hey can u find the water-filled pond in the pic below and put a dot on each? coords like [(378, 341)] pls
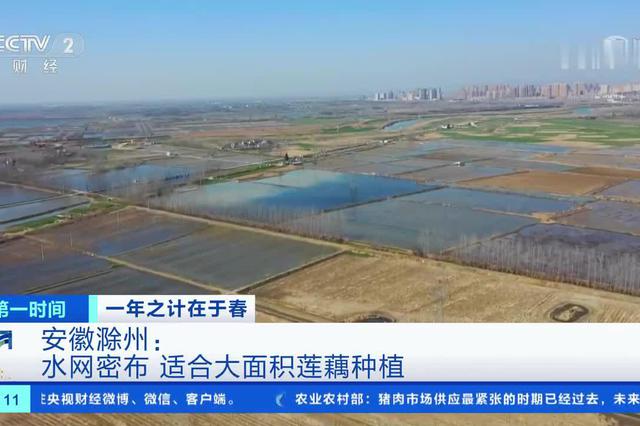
[(608, 215), (630, 189), (284, 197), (85, 180), (412, 226), (487, 200), (37, 208), (399, 125), (10, 194)]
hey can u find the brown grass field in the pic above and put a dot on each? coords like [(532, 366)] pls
[(608, 171), (564, 183), (416, 290)]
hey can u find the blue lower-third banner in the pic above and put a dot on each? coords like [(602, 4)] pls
[(288, 397)]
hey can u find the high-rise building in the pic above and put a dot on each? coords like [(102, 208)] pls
[(582, 58), (551, 91), (595, 58), (420, 94), (635, 52), (616, 52)]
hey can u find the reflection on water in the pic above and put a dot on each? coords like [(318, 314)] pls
[(399, 125), (583, 111), (85, 180), (419, 227), (507, 202), (287, 196)]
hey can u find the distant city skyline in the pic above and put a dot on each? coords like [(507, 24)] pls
[(501, 91), (151, 50)]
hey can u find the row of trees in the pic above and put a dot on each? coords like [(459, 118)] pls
[(593, 267)]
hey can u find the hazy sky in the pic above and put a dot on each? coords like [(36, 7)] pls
[(137, 50)]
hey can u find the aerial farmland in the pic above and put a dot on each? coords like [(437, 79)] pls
[(313, 205)]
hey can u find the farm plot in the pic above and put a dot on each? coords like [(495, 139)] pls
[(37, 208), (608, 215), (27, 265), (608, 171), (415, 164), (474, 150), (397, 159), (406, 289), (453, 155), (496, 201), (123, 280), (409, 225), (223, 162), (563, 183), (506, 147), (452, 173), (229, 258), (381, 169), (606, 159), (120, 231), (627, 190), (342, 163), (517, 164), (232, 161), (10, 194), (277, 199), (596, 258), (199, 167), (123, 181)]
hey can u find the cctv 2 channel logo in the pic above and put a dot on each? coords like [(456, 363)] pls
[(29, 45)]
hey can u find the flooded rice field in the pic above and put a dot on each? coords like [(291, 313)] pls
[(113, 180), (628, 190), (380, 169), (144, 178), (402, 159), (122, 280), (496, 201), (221, 162), (601, 259), (10, 194), (29, 266), (120, 231), (34, 209), (608, 215), (19, 205), (419, 227), (285, 197), (229, 258), (388, 166)]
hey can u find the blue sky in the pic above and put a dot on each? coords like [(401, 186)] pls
[(138, 50)]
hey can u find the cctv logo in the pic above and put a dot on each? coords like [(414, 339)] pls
[(24, 43)]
